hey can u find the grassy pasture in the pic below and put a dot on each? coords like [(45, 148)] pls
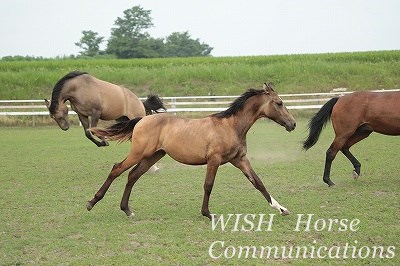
[(47, 175), (211, 75)]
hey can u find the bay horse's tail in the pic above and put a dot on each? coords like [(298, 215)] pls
[(153, 103), (121, 131), (318, 122)]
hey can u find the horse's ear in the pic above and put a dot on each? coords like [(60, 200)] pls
[(47, 103), (268, 87)]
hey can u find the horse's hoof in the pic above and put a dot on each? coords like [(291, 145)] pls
[(208, 215), (355, 175), (89, 206), (128, 212), (284, 212), (154, 170), (103, 144), (329, 183)]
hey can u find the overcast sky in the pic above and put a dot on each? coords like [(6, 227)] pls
[(50, 28)]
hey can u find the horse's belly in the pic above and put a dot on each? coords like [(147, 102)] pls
[(188, 158), (393, 130), (386, 123), (185, 151)]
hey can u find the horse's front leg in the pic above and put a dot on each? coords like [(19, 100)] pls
[(85, 124), (212, 167), (244, 165)]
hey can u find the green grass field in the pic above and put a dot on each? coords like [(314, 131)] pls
[(47, 175), (211, 75)]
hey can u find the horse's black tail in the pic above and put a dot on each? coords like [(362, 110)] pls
[(318, 122), (121, 131), (153, 103)]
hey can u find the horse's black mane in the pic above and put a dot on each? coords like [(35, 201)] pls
[(238, 104), (58, 87)]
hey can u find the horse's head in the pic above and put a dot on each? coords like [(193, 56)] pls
[(276, 110), (59, 114)]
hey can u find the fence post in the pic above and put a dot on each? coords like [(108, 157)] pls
[(33, 118)]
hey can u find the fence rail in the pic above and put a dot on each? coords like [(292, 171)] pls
[(297, 101)]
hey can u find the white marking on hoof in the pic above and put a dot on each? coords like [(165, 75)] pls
[(284, 211), (274, 204), (355, 175), (154, 169)]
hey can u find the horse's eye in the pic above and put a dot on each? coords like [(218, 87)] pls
[(280, 103)]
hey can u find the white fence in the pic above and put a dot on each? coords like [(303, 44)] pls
[(300, 101)]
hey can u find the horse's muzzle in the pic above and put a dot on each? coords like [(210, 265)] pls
[(290, 126), (64, 127)]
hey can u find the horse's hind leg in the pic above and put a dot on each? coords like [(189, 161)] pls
[(142, 167), (354, 162), (116, 171), (330, 156), (362, 133), (341, 143), (212, 167), (154, 168)]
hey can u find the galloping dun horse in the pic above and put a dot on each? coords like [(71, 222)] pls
[(98, 99), (354, 117), (213, 140)]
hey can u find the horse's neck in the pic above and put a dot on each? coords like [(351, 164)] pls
[(245, 119)]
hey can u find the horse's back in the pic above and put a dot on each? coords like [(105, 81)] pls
[(379, 110), (121, 98), (113, 100)]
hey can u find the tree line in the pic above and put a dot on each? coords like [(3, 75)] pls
[(129, 39)]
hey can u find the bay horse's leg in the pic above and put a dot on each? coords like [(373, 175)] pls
[(142, 167), (244, 165), (330, 156), (132, 159), (362, 133), (153, 169), (354, 162), (212, 167), (85, 124), (335, 147), (116, 171)]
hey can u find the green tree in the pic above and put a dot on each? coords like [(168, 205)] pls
[(129, 34), (90, 43), (129, 39), (180, 44)]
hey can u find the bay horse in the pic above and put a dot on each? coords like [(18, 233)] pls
[(213, 140), (354, 117), (98, 99)]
